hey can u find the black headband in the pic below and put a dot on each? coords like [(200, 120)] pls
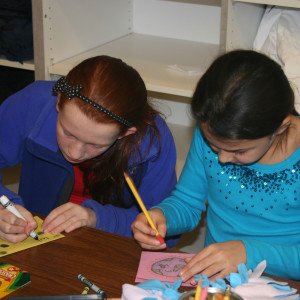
[(71, 91)]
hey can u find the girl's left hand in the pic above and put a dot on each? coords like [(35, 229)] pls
[(215, 261), (69, 217)]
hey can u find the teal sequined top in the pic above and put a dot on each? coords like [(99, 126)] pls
[(258, 204)]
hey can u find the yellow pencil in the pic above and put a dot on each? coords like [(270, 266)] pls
[(142, 206), (198, 289)]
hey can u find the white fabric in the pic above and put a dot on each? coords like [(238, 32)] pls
[(262, 288), (131, 292), (278, 36)]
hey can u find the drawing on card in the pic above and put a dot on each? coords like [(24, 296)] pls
[(162, 266), (169, 266)]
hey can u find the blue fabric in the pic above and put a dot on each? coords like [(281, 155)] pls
[(169, 291), (205, 280), (28, 136), (239, 278), (258, 204)]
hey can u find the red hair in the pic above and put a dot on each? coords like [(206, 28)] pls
[(118, 87)]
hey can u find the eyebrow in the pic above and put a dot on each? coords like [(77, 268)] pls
[(231, 151)]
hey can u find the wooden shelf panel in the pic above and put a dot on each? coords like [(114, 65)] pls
[(151, 56), (285, 3), (27, 65)]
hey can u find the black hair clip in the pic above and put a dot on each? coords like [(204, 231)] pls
[(71, 91)]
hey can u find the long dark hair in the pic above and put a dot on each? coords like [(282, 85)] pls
[(118, 87), (243, 95)]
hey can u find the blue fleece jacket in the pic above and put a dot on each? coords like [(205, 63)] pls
[(28, 136), (258, 204)]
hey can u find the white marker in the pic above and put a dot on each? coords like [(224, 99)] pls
[(9, 206)]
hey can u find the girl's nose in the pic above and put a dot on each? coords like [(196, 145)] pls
[(225, 157), (75, 150)]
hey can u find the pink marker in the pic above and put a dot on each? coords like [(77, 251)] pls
[(204, 292)]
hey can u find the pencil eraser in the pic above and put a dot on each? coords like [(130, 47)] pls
[(160, 239)]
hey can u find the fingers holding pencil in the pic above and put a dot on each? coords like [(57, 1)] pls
[(145, 235), (157, 233)]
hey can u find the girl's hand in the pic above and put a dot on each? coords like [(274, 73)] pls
[(69, 217), (144, 234), (215, 261), (14, 229)]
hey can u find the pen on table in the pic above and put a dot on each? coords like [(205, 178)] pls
[(142, 206), (92, 286), (10, 206), (85, 290)]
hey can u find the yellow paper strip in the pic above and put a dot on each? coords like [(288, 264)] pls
[(9, 248)]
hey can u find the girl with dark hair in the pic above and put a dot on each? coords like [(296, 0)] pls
[(75, 139), (244, 163)]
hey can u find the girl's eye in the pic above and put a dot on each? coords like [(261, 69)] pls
[(66, 133), (241, 152), (96, 146)]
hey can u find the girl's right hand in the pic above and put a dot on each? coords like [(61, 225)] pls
[(144, 234), (14, 229)]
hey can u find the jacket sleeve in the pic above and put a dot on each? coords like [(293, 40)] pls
[(184, 207), (158, 181), (282, 260), (17, 114)]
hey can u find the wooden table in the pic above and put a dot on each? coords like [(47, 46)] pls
[(106, 259)]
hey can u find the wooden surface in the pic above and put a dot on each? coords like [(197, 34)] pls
[(105, 259), (108, 260)]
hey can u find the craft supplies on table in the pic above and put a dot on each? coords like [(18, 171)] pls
[(12, 278), (212, 294)]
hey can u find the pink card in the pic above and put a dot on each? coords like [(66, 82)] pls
[(162, 266)]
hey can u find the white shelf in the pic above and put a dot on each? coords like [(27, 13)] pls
[(27, 65), (151, 56), (240, 20), (285, 3)]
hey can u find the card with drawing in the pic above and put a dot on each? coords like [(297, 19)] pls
[(162, 266)]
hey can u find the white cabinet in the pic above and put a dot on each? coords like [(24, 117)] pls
[(150, 35), (240, 20), (154, 36)]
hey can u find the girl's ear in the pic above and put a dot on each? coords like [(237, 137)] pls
[(130, 130), (284, 125), (57, 102)]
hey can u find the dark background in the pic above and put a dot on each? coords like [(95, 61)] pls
[(16, 44)]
